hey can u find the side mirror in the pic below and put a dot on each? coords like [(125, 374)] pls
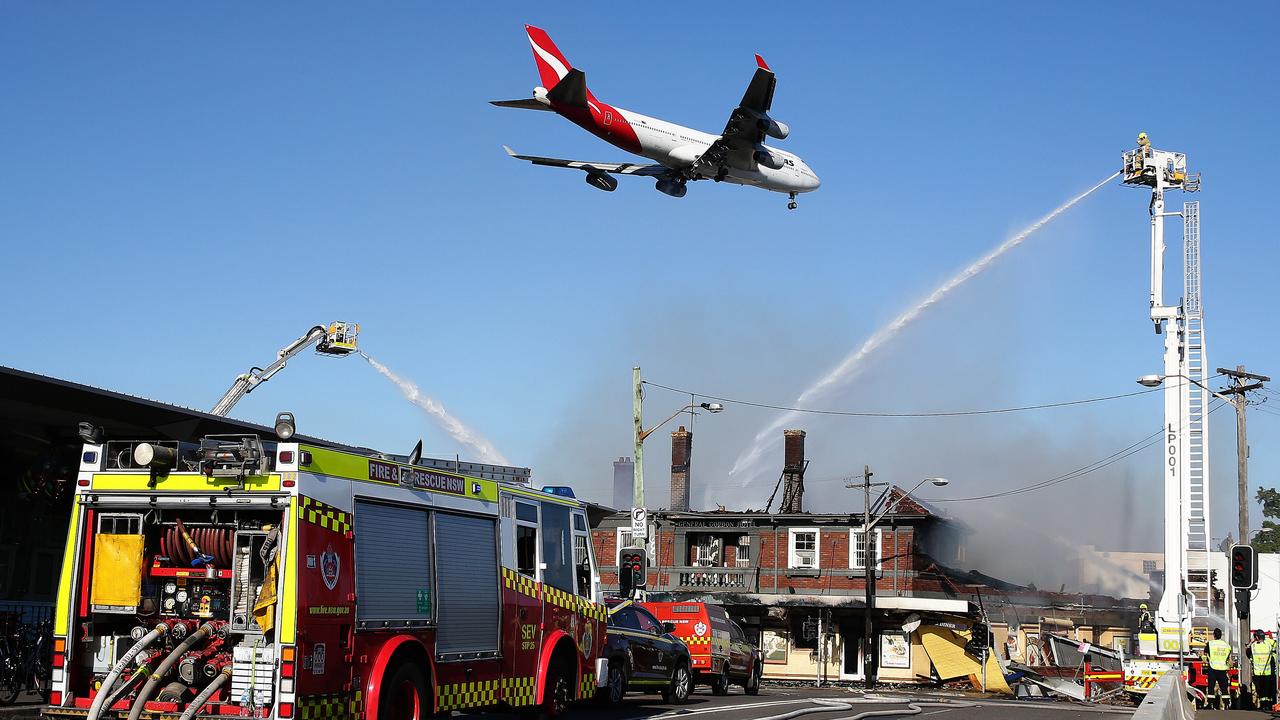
[(668, 627)]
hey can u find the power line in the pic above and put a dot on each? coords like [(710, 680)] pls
[(1115, 457), (925, 414)]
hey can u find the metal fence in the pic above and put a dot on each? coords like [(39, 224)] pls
[(26, 649)]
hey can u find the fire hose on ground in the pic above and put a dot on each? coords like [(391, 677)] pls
[(145, 693), (100, 699), (205, 694), (914, 707)]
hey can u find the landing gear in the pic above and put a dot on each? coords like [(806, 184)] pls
[(721, 174), (792, 204)]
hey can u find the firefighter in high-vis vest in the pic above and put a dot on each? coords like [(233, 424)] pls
[(1218, 655), (1146, 623), (1262, 656)]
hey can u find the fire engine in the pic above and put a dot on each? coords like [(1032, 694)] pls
[(260, 578)]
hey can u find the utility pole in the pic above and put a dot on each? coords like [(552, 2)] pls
[(637, 411), (1241, 383), (869, 567)]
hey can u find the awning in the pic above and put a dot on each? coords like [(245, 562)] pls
[(944, 605), (925, 604)]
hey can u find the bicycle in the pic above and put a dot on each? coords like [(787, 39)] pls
[(25, 663)]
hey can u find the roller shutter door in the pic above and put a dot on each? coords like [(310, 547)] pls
[(393, 566), (467, 563)]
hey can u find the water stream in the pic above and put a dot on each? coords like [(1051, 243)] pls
[(485, 451), (748, 465)]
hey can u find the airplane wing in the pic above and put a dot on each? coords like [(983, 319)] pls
[(615, 168), (737, 145)]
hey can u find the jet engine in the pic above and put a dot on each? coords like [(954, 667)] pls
[(769, 160), (773, 128), (602, 181), (671, 187)]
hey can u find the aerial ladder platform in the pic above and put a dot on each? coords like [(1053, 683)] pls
[(1184, 464), (337, 339)]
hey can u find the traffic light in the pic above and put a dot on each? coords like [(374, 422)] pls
[(1244, 567), (632, 570)]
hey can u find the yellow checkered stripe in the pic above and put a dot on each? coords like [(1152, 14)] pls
[(328, 707), (593, 611), (560, 598), (324, 515), (513, 580), (479, 693), (704, 640), (588, 689), (518, 692)]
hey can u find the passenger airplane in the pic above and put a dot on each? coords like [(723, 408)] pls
[(739, 155)]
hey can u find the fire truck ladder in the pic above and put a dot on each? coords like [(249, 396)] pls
[(1196, 409)]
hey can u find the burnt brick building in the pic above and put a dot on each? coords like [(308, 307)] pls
[(791, 578)]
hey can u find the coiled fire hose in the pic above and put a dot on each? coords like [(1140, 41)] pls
[(100, 699), (205, 694), (145, 693)]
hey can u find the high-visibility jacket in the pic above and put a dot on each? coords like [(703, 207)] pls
[(1263, 653), (1219, 654)]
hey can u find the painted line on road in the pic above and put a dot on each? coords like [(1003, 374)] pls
[(729, 708)]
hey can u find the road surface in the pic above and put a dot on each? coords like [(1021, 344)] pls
[(773, 701)]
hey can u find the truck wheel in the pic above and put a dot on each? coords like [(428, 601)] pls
[(616, 687), (404, 695), (677, 693), (753, 681), (556, 695), (721, 685)]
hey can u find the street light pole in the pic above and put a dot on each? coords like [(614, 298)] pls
[(637, 469)]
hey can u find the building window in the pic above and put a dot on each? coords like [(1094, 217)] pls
[(743, 557), (858, 549), (804, 631), (708, 550), (1148, 566), (803, 547)]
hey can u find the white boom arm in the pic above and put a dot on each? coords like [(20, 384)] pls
[(1163, 171), (338, 339)]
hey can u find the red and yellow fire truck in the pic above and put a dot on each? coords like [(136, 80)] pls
[(247, 577)]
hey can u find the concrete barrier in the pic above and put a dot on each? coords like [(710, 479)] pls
[(1167, 700)]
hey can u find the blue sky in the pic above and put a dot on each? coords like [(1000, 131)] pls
[(186, 187)]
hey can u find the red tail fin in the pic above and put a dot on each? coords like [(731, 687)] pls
[(552, 65)]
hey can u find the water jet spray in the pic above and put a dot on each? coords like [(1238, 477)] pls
[(462, 434), (746, 466)]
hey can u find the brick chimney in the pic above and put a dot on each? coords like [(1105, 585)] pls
[(793, 465), (681, 451)]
